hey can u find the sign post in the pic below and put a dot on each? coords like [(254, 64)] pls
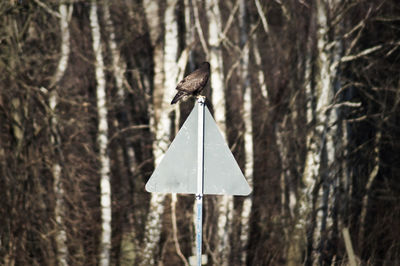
[(200, 178)]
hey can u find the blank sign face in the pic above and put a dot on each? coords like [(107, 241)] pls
[(177, 171)]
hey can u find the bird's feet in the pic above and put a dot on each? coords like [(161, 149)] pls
[(201, 98)]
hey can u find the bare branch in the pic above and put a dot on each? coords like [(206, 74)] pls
[(262, 16), (199, 29), (361, 54), (48, 9), (175, 230), (349, 247), (135, 127), (229, 21)]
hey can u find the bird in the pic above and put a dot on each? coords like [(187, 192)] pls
[(193, 83)]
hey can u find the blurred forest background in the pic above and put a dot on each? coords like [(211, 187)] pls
[(306, 92)]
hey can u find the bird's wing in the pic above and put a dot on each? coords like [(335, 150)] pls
[(193, 82), (180, 86)]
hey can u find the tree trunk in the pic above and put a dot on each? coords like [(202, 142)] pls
[(225, 203), (153, 224), (151, 9), (248, 130), (316, 189), (102, 139), (61, 237)]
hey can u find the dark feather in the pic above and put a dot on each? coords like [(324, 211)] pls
[(177, 97), (193, 83)]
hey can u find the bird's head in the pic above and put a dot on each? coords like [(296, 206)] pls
[(205, 65)]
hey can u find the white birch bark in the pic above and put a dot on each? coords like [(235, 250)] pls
[(225, 204), (260, 74), (171, 71), (312, 193), (102, 139), (129, 243), (248, 132), (153, 224), (323, 96), (324, 220), (371, 178), (61, 235), (153, 228), (190, 25), (298, 239), (118, 64), (151, 9), (225, 214), (332, 138), (217, 75), (319, 135)]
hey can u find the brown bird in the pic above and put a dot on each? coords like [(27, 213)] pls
[(193, 83)]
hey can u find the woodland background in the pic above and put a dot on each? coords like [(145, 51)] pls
[(306, 92)]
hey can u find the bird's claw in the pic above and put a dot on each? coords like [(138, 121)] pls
[(201, 98)]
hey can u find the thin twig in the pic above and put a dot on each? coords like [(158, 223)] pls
[(361, 54), (262, 16)]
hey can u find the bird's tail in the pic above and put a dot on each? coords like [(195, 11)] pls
[(177, 97)]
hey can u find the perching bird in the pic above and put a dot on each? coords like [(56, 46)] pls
[(193, 83)]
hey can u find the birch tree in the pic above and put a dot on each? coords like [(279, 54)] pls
[(102, 139), (225, 203), (153, 224), (65, 12), (151, 9), (311, 195), (248, 126), (129, 239)]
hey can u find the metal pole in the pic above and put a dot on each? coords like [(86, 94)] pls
[(200, 177)]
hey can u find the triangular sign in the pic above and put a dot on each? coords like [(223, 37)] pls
[(177, 171)]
